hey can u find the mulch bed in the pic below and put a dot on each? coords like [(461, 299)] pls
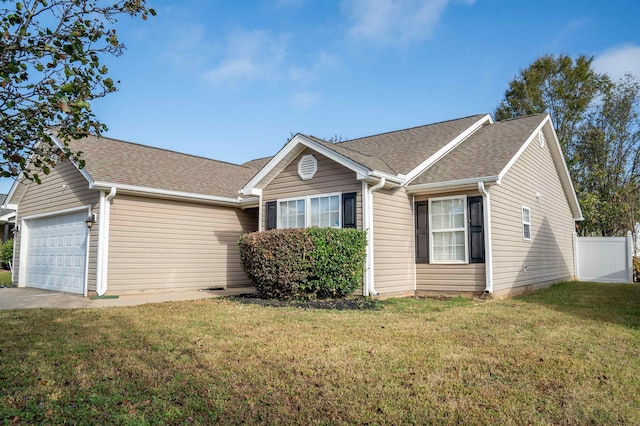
[(350, 303)]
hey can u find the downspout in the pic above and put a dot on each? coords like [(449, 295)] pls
[(488, 263), (103, 241), (415, 272), (370, 275)]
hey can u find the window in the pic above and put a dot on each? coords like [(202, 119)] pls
[(526, 223), (448, 232), (322, 211), (291, 214), (442, 230), (325, 211)]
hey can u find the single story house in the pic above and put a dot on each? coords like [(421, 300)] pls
[(465, 206)]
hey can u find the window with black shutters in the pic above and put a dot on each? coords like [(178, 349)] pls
[(474, 229), (349, 210), (422, 232)]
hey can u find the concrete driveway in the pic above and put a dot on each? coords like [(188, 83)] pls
[(28, 298)]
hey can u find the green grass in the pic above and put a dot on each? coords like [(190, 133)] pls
[(5, 278), (565, 355)]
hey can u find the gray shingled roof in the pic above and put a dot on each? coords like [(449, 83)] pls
[(126, 163), (485, 153), (258, 163), (403, 150), (372, 163)]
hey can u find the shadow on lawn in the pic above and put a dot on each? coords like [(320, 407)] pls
[(613, 303)]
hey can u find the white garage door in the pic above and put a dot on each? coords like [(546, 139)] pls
[(56, 253)]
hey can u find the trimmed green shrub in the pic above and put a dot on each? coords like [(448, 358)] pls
[(338, 259), (7, 252), (304, 263), (636, 268), (277, 261)]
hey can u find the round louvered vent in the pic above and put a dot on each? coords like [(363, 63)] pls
[(307, 167)]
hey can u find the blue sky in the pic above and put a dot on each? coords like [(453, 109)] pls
[(231, 80)]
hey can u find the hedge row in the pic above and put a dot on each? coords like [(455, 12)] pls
[(304, 263)]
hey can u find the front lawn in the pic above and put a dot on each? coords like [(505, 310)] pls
[(565, 355), (5, 278)]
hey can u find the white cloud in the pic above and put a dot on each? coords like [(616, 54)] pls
[(319, 63), (251, 55), (187, 47), (618, 61), (394, 22), (303, 100)]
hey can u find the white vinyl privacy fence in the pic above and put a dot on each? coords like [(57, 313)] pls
[(604, 259)]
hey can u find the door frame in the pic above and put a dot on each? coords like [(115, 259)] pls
[(24, 240)]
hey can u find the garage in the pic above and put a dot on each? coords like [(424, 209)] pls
[(57, 252)]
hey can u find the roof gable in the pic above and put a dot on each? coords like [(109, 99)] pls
[(489, 154), (405, 150), (392, 155), (143, 169), (110, 161), (484, 154)]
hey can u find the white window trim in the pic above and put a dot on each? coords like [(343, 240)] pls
[(466, 232), (307, 207), (526, 223)]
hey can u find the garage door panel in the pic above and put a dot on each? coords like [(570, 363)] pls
[(56, 253)]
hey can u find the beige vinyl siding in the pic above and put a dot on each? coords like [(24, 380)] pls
[(64, 188), (393, 233), (331, 177), (454, 278), (548, 256), (160, 245)]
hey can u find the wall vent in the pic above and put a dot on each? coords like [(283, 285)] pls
[(307, 167)]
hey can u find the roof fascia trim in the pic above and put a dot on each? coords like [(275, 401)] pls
[(295, 142), (452, 185), (235, 202), (8, 217), (558, 159), (17, 181), (83, 171), (448, 147)]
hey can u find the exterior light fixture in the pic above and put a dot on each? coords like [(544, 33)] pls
[(90, 220)]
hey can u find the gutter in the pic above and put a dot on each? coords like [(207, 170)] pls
[(103, 240), (165, 193), (461, 184), (370, 288), (488, 264)]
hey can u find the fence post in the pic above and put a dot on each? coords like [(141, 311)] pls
[(575, 256), (630, 257)]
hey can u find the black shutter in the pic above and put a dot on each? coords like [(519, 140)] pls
[(349, 210), (272, 215), (476, 230), (422, 232)]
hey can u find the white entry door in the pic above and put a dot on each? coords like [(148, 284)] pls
[(56, 253)]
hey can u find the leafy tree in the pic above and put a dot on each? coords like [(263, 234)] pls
[(560, 86), (597, 124), (50, 71), (608, 154)]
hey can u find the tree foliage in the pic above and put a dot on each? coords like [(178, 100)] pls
[(608, 155), (597, 124), (560, 86), (50, 71)]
